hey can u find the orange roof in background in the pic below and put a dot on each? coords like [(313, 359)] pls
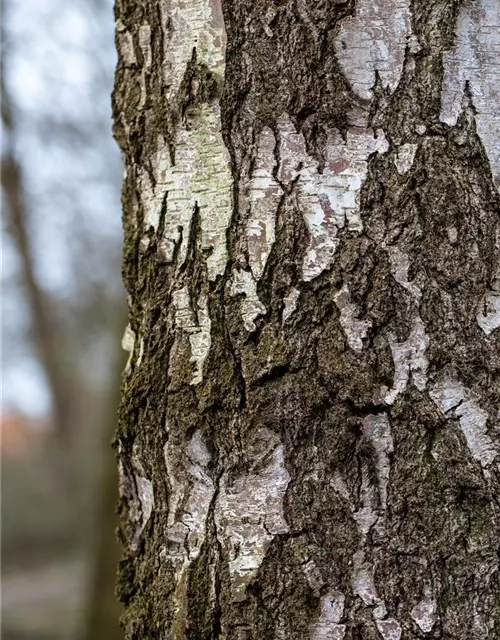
[(18, 433)]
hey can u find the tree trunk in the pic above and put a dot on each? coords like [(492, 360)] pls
[(309, 431), (103, 610), (43, 327)]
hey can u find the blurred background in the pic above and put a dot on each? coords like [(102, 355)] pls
[(63, 314)]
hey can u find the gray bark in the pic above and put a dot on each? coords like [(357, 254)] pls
[(308, 439)]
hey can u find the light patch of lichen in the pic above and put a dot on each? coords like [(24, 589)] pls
[(197, 24), (199, 175)]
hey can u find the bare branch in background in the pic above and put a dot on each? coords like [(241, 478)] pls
[(43, 325)]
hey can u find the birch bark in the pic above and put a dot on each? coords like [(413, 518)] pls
[(308, 440)]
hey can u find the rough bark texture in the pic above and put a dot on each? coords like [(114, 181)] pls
[(308, 443)]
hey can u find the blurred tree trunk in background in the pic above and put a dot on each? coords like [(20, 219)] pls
[(44, 328), (61, 293), (103, 607), (309, 426)]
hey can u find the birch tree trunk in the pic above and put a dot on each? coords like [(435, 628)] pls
[(308, 442)]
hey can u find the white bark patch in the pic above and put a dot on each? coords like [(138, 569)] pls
[(249, 511), (332, 610), (424, 614), (196, 326), (313, 577), (451, 395), (191, 492), (380, 611), (290, 303), (377, 430), (366, 517), (201, 175), (400, 264), (389, 629), (409, 360), (128, 343), (146, 498), (354, 328), (363, 584), (329, 199), (124, 481), (260, 200), (452, 234), (145, 44), (405, 155), (340, 486), (125, 44), (140, 516), (476, 58), (251, 307), (263, 197), (141, 353), (137, 490), (409, 356), (374, 39), (144, 37), (489, 316), (196, 24)]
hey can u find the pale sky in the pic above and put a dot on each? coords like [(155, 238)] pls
[(59, 67)]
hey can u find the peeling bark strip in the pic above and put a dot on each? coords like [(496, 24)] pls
[(308, 440)]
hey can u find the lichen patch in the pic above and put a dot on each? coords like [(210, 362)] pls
[(200, 175)]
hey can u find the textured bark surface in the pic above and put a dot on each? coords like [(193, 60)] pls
[(308, 442)]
